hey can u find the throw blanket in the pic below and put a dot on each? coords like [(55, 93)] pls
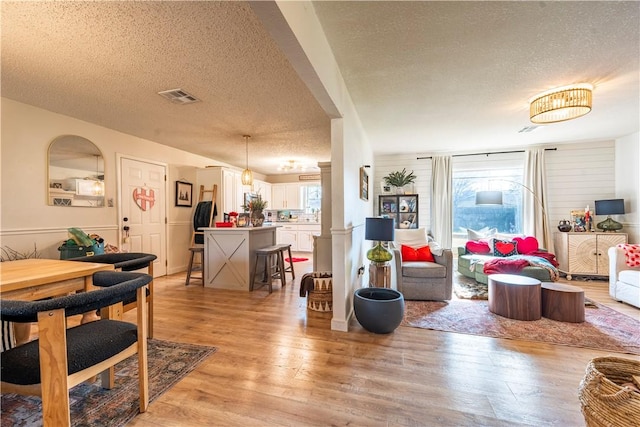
[(631, 254), (515, 264), (306, 284)]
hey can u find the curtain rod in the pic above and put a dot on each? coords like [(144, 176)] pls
[(485, 154)]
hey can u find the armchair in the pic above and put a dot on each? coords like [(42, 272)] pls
[(421, 280), (61, 358)]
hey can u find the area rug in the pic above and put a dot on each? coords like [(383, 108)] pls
[(294, 259), (604, 328), (94, 406), (466, 288)]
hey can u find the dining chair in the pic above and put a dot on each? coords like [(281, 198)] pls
[(62, 358), (129, 261)]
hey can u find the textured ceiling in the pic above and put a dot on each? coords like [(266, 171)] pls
[(441, 76), (105, 62), (425, 76)]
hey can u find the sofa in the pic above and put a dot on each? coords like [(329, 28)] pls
[(523, 258), (624, 280), (419, 278), (472, 266)]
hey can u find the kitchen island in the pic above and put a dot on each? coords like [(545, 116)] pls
[(229, 255)]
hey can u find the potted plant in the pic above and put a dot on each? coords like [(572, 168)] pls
[(399, 179), (255, 207)]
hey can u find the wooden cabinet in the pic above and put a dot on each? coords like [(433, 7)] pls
[(230, 189), (299, 236), (285, 196), (585, 253), (403, 208)]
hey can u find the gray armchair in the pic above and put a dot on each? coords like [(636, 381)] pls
[(422, 280)]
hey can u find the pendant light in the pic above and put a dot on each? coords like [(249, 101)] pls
[(247, 175)]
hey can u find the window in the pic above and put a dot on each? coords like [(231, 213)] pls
[(311, 198), (507, 218)]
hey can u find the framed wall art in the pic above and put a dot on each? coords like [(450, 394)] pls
[(184, 194), (364, 184)]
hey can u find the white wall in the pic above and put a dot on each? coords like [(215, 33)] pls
[(301, 38), (577, 175), (27, 219), (627, 167)]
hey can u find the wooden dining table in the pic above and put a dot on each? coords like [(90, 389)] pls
[(33, 279)]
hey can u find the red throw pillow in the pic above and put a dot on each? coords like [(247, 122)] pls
[(526, 245), (420, 254), (504, 248), (478, 247)]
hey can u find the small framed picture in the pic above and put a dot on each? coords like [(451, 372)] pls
[(384, 188), (364, 184), (184, 194), (243, 220)]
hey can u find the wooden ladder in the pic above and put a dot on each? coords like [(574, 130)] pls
[(214, 194), (198, 248)]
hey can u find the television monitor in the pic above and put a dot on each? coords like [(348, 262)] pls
[(610, 207)]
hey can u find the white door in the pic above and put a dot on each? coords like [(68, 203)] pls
[(143, 205)]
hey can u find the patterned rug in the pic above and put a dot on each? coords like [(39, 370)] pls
[(604, 328), (94, 406), (467, 288)]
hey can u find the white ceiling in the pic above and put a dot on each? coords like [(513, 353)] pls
[(425, 77)]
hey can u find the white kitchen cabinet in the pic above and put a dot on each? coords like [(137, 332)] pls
[(285, 196), (263, 189), (230, 189), (288, 234), (305, 236), (585, 253), (299, 236)]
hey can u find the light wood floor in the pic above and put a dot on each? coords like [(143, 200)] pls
[(278, 364)]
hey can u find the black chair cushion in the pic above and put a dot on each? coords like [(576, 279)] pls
[(104, 279), (126, 261), (121, 286), (87, 345)]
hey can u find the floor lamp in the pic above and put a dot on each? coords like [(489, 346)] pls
[(495, 198)]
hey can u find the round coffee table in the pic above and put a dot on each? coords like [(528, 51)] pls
[(515, 297), (564, 303)]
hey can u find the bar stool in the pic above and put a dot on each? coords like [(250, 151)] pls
[(193, 251), (286, 247), (271, 256)]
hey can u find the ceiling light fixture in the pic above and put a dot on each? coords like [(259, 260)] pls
[(560, 104), (247, 175), (291, 165)]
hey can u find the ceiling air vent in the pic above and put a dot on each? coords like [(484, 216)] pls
[(178, 96), (528, 129)]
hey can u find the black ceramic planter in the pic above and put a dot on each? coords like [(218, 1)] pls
[(378, 310)]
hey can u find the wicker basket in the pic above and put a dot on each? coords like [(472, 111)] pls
[(321, 297), (604, 401)]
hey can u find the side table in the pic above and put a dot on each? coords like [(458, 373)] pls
[(561, 302), (379, 275), (515, 297)]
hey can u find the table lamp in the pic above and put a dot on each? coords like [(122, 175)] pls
[(379, 230), (609, 207)]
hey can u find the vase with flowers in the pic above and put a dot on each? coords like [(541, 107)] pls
[(255, 207)]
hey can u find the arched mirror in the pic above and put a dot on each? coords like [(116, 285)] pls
[(76, 172)]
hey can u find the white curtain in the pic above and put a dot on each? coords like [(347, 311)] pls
[(536, 221), (441, 200)]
